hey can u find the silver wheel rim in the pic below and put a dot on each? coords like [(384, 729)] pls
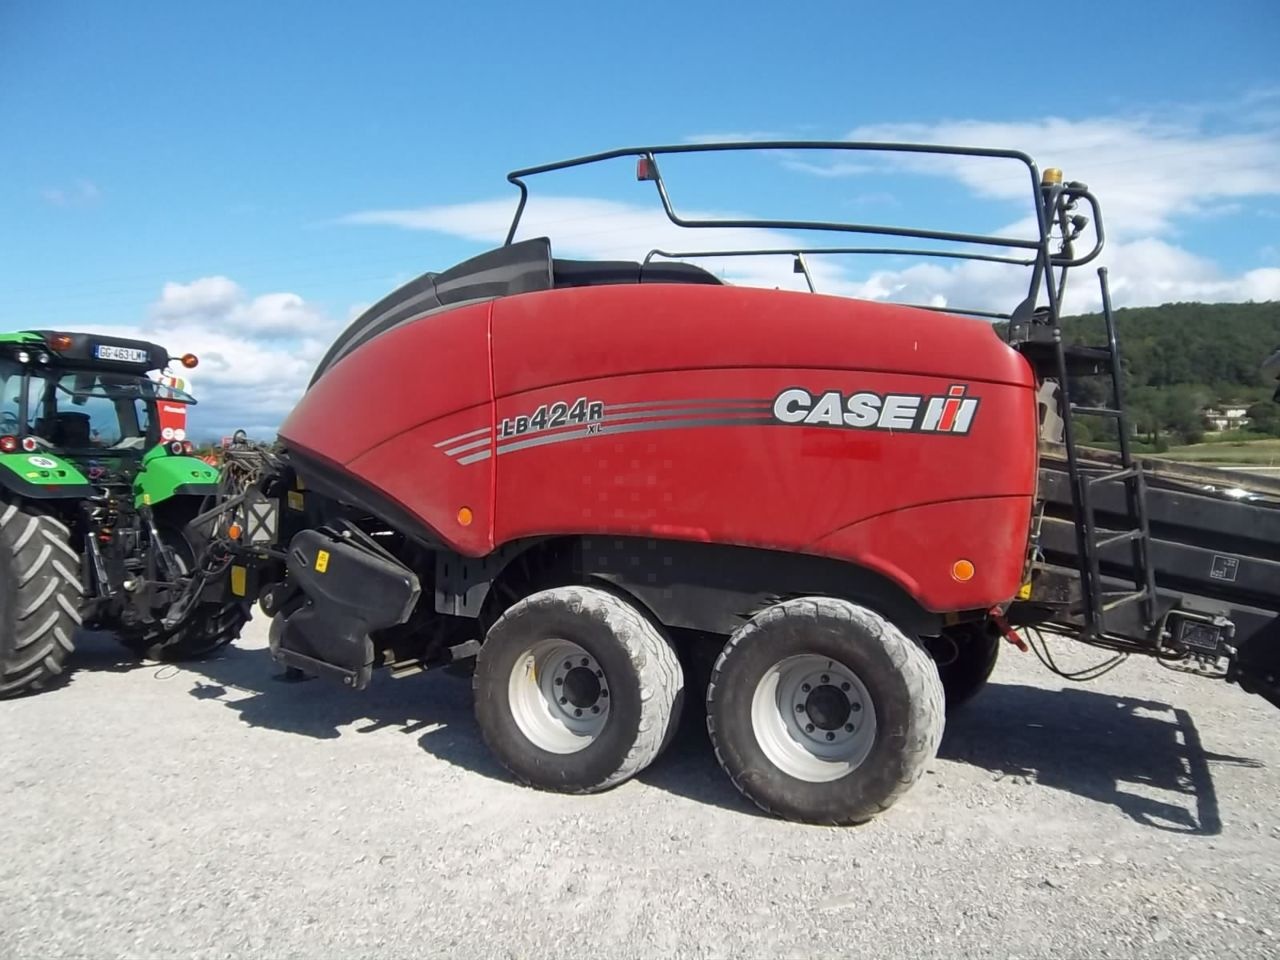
[(813, 718), (559, 696)]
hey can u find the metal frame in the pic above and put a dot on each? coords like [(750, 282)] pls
[(1053, 206)]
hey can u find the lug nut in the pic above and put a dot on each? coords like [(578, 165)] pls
[(799, 708), (831, 736), (804, 688), (585, 661), (855, 707), (600, 673), (604, 693), (808, 728), (825, 678), (844, 686), (564, 700), (577, 712), (595, 709), (848, 728), (559, 681)]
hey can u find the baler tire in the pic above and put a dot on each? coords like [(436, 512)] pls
[(967, 657), (40, 597), (639, 685), (772, 741)]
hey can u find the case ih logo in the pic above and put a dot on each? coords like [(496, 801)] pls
[(906, 412)]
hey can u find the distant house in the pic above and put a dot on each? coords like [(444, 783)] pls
[(1229, 416)]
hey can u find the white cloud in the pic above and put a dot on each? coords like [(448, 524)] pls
[(222, 301), (81, 193), (599, 229), (1149, 173), (205, 298), (256, 353)]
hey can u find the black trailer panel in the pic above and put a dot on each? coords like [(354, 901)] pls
[(1214, 549)]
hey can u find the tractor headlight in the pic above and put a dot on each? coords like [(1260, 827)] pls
[(23, 356)]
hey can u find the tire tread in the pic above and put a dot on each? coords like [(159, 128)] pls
[(46, 597), (911, 660)]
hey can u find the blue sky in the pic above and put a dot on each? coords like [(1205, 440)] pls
[(239, 178)]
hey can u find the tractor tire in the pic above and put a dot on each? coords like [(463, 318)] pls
[(40, 597), (824, 712), (209, 627), (965, 656), (576, 690)]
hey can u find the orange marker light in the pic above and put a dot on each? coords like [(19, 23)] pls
[(234, 531), (962, 570), (465, 516), (60, 341), (190, 360)]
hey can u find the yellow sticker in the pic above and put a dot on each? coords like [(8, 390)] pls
[(322, 561), (1025, 592), (146, 498), (295, 500), (239, 577)]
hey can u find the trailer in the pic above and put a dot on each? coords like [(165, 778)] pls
[(585, 478)]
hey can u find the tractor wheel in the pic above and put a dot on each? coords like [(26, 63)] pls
[(576, 690), (209, 627), (822, 711), (965, 656), (40, 598)]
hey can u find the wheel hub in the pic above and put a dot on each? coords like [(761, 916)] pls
[(559, 696), (582, 687), (827, 707), (813, 718)]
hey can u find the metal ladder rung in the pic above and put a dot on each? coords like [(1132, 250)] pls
[(1097, 411), (1125, 598), (1119, 538), (1127, 473)]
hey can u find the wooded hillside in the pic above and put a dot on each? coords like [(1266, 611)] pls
[(1183, 357)]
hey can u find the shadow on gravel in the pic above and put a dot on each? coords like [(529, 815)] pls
[(1117, 750), (688, 768), (438, 707), (100, 651)]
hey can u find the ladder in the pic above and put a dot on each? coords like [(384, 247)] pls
[(1066, 363)]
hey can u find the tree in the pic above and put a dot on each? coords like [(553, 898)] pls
[(1264, 418)]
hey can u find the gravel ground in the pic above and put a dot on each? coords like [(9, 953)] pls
[(212, 811)]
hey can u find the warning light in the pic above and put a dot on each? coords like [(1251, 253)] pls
[(8, 444), (29, 444), (190, 361), (1052, 177), (465, 516), (234, 531), (962, 570), (60, 341), (176, 448), (646, 169)]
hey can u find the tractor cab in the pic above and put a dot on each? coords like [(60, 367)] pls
[(100, 402)]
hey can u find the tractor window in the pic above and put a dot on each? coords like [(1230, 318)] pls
[(10, 396), (91, 410)]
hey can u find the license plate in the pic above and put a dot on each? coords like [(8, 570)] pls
[(104, 351)]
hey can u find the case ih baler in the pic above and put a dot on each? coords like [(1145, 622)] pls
[(586, 474)]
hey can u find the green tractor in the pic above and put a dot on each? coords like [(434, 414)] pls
[(99, 489)]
